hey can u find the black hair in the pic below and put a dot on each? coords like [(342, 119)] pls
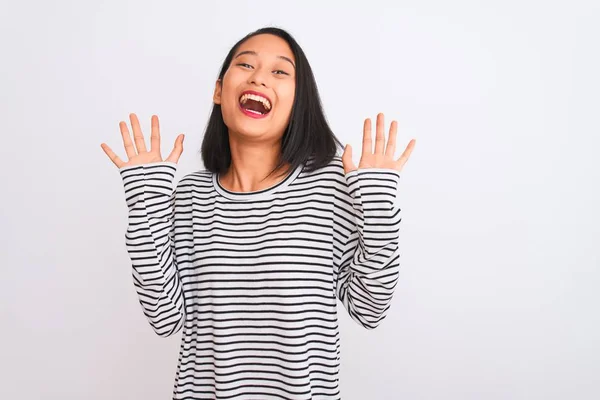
[(308, 139)]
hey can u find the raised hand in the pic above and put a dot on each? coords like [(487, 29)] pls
[(381, 158), (138, 154)]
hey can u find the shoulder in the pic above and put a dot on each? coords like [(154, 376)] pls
[(334, 169), (198, 181), (327, 179), (330, 174)]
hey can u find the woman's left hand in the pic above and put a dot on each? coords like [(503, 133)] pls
[(381, 158)]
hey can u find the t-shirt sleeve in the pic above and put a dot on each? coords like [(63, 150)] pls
[(149, 240), (366, 242)]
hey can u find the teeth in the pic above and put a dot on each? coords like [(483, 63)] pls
[(248, 96)]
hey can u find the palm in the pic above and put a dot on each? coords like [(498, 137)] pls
[(383, 156), (136, 151)]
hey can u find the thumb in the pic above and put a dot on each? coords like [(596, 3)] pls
[(177, 149), (347, 159)]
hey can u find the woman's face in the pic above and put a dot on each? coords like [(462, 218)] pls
[(257, 92)]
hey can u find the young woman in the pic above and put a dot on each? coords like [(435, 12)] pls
[(249, 257)]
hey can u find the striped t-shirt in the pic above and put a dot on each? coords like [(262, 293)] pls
[(252, 278)]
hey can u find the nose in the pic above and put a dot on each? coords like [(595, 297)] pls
[(258, 78)]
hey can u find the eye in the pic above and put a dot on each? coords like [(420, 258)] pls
[(245, 65), (280, 72)]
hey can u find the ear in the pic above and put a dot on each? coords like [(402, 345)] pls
[(217, 93)]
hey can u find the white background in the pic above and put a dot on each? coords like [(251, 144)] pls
[(499, 291)]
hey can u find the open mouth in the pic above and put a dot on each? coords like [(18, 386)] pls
[(255, 104)]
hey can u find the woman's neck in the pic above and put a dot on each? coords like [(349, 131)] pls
[(250, 168)]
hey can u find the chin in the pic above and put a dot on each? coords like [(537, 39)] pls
[(251, 130)]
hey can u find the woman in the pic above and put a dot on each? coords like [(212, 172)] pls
[(249, 256)]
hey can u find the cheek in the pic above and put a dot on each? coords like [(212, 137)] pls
[(229, 102), (230, 82), (286, 97)]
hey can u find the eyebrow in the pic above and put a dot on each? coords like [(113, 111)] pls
[(251, 52)]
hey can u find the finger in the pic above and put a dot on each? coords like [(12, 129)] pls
[(379, 135), (367, 145), (390, 149), (347, 159), (138, 137), (127, 143), (177, 149), (406, 153), (155, 135), (111, 154)]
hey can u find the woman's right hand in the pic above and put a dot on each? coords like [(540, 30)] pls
[(139, 155)]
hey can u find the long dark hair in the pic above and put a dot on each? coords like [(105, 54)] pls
[(308, 138)]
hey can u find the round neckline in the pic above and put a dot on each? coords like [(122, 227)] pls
[(257, 194)]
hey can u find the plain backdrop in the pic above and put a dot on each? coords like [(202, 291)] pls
[(500, 242)]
